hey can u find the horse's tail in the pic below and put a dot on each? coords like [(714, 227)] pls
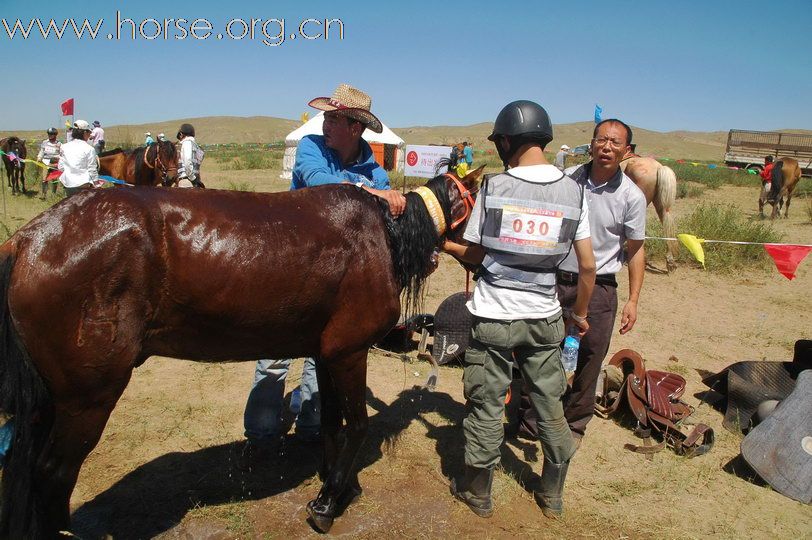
[(24, 396), (665, 196)]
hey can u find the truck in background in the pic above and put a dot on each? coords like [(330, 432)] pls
[(747, 149)]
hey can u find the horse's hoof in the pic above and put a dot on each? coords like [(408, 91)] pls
[(320, 517)]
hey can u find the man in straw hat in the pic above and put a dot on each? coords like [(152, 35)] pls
[(338, 156)]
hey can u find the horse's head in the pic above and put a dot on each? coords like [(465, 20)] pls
[(15, 144), (450, 203), (167, 162)]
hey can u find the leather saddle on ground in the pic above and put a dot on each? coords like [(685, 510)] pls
[(653, 398)]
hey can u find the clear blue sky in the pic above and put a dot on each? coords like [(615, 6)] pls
[(659, 65)]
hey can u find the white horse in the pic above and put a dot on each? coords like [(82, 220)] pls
[(659, 185)]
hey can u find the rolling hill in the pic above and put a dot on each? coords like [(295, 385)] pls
[(695, 145)]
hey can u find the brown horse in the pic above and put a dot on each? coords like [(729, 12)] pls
[(791, 173), (156, 164), (659, 185), (15, 169), (119, 275)]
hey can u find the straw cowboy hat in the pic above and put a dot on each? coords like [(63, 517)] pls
[(350, 102)]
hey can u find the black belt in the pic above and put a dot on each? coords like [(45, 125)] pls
[(571, 278)]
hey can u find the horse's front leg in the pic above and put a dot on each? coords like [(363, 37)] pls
[(345, 397), (786, 209)]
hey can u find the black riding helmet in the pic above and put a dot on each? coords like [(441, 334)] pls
[(51, 131), (524, 120), (187, 130)]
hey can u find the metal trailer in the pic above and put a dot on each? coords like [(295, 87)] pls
[(747, 149)]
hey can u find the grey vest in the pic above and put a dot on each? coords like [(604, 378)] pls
[(528, 229)]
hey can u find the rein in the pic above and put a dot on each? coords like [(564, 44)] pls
[(162, 168)]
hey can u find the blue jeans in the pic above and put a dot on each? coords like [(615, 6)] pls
[(263, 410)]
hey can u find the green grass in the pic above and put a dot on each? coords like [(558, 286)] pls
[(241, 186), (719, 222), (689, 190)]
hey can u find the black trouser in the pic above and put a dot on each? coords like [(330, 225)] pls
[(579, 401)]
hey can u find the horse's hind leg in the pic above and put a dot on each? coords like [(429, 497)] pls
[(344, 395), (786, 209), (72, 437), (670, 231)]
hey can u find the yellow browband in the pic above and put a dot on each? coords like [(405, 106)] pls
[(434, 208)]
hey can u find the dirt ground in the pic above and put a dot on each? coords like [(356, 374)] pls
[(166, 463)]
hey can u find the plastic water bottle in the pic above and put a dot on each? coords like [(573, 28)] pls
[(296, 400), (569, 356), (6, 436)]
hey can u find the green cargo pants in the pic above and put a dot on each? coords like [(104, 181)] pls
[(488, 364)]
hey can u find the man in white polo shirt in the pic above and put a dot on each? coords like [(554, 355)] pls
[(78, 161), (617, 216)]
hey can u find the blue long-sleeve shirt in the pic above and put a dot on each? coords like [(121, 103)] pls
[(316, 165)]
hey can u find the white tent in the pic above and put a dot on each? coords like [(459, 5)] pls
[(313, 127)]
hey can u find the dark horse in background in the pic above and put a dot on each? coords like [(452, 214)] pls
[(119, 275), (156, 164), (15, 169)]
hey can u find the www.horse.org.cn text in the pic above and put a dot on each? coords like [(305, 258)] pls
[(271, 32)]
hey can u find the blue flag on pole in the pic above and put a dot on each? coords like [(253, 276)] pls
[(598, 112)]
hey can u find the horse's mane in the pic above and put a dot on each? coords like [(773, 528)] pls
[(111, 152), (412, 239), (138, 155)]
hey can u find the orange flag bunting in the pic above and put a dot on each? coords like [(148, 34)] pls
[(787, 257)]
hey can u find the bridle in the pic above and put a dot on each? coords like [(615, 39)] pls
[(157, 163), (467, 197)]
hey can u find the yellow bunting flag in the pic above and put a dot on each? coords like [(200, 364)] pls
[(694, 245), (305, 117)]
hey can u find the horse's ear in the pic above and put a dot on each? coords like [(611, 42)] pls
[(472, 178)]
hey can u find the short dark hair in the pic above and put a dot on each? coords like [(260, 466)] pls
[(614, 121), (77, 133), (768, 159)]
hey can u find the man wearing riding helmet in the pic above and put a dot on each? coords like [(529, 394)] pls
[(49, 155), (190, 157), (525, 222)]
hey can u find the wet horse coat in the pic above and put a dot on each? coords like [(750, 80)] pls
[(119, 275)]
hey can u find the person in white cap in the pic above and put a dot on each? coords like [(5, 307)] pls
[(561, 156), (161, 137), (97, 137), (148, 140), (78, 161)]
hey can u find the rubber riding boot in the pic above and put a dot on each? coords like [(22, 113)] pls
[(198, 184), (551, 495), (475, 490)]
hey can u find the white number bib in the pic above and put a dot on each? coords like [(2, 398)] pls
[(530, 226)]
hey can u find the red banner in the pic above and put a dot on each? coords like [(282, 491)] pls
[(67, 107), (787, 257)]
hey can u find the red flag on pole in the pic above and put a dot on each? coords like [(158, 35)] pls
[(67, 107), (787, 257)]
